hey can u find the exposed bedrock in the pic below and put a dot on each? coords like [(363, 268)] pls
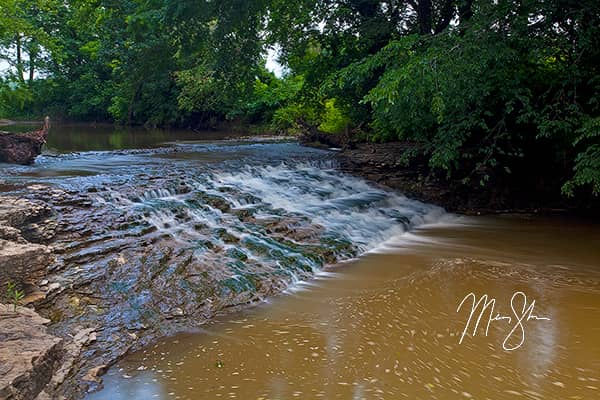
[(28, 353), (24, 226)]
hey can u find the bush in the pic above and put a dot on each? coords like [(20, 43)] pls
[(333, 120)]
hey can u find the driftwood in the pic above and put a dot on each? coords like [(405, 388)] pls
[(23, 148)]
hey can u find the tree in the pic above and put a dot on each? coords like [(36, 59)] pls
[(487, 91)]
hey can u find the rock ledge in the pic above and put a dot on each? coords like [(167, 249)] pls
[(28, 354)]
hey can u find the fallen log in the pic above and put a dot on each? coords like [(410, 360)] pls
[(23, 148)]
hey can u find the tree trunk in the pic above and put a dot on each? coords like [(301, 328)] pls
[(32, 57), (19, 57), (23, 148), (446, 14), (424, 15), (134, 97), (465, 10)]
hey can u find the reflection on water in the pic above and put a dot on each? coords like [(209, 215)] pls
[(386, 326), (79, 138), (83, 150), (87, 138)]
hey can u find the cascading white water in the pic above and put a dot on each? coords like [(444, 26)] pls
[(347, 207), (347, 215), (274, 210)]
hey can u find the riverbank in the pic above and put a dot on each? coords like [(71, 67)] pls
[(28, 353), (398, 165), (381, 163), (34, 360)]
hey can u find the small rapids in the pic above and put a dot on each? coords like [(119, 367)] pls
[(238, 215), (152, 242), (271, 217)]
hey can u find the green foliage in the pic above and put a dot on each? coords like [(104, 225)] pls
[(14, 295), (272, 93), (199, 91), (587, 162), (13, 98), (287, 118), (477, 100), (334, 120), (457, 97), (485, 91)]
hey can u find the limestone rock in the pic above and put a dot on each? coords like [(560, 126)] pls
[(94, 374), (12, 234), (71, 352), (28, 354), (30, 217), (22, 220), (23, 263)]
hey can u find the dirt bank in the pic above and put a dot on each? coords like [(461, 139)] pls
[(381, 163)]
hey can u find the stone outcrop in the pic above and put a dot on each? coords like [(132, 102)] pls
[(29, 355), (23, 148), (23, 263), (24, 221), (24, 215)]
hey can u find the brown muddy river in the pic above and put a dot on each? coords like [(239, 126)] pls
[(386, 326)]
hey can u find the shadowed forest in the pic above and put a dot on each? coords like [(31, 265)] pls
[(486, 93)]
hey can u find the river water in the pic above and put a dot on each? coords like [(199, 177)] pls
[(386, 326), (374, 280)]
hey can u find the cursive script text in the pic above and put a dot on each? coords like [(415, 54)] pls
[(483, 309)]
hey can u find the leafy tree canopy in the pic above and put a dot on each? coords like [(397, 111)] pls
[(487, 91)]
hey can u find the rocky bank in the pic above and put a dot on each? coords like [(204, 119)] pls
[(383, 163), (28, 353), (106, 282)]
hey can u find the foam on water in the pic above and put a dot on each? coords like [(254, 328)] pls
[(344, 205), (344, 216), (255, 208)]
